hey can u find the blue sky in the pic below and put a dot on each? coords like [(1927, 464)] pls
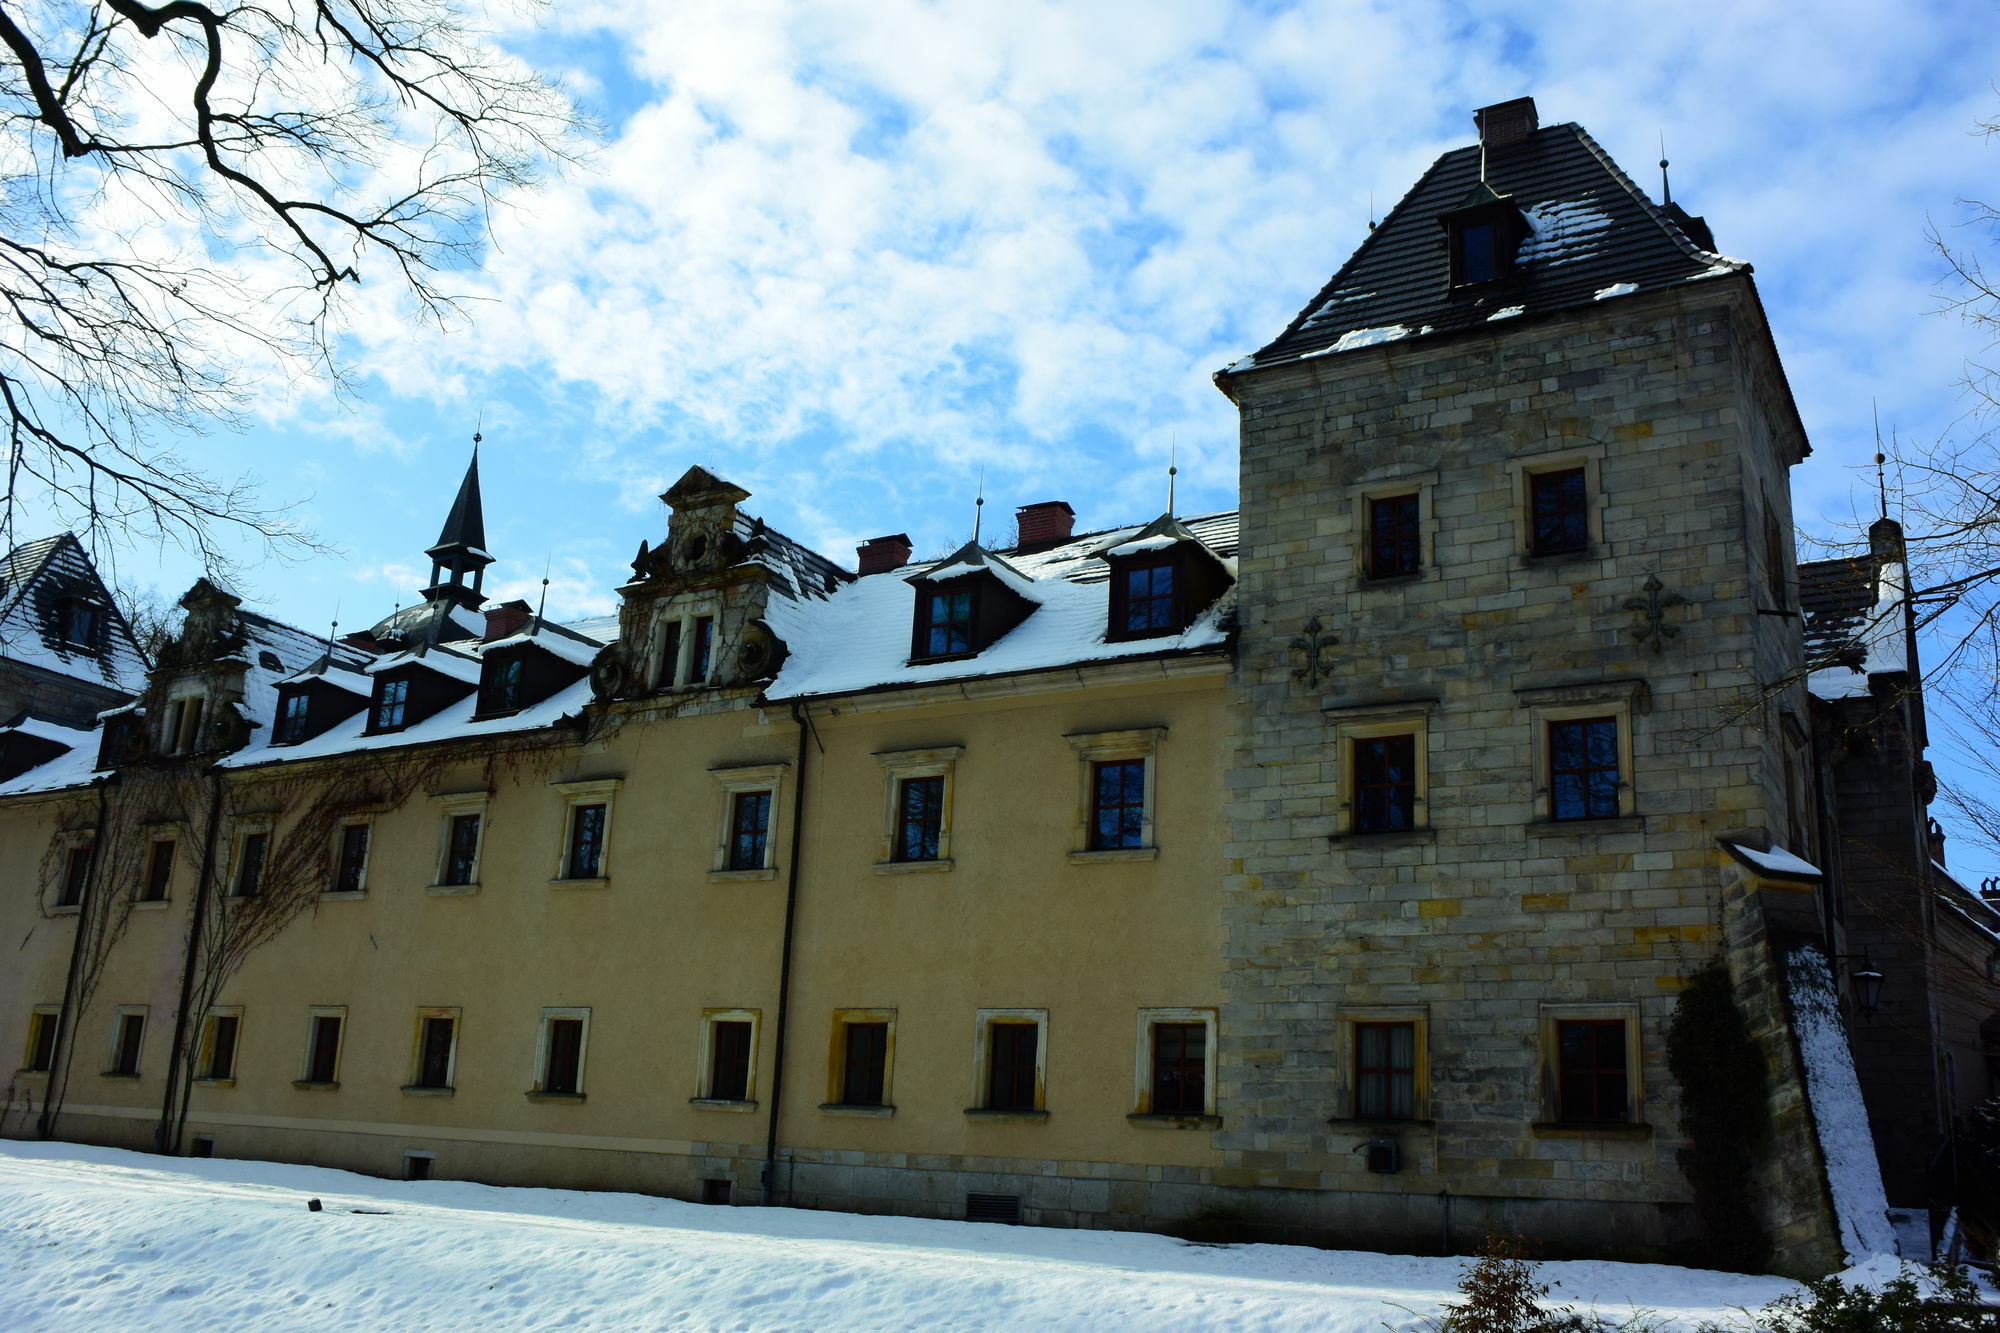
[(856, 254)]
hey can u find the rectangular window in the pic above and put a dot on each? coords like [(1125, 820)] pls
[(461, 857), (350, 865), (1118, 804), (749, 830), (292, 718), (1583, 768), (323, 1048), (864, 1063), (129, 1034), (1180, 1068), (1472, 252), (1011, 1065), (75, 875), (219, 1050), (250, 853), (919, 818), (1385, 1071), (159, 871), (729, 1047), (437, 1040), (1558, 512), (562, 1052), (1149, 600), (670, 653), (702, 660), (585, 859), (41, 1050), (391, 704), (1385, 783), (947, 623), (1591, 1083), (1395, 544)]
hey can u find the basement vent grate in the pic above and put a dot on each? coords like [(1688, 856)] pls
[(993, 1208)]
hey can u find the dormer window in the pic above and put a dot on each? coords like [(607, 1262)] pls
[(293, 718), (1150, 604), (1483, 234), (392, 698), (82, 623), (1472, 253), (506, 695), (965, 603), (1162, 578), (946, 626)]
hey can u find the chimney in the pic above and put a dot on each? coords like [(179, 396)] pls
[(506, 620), (878, 555), (1040, 526), (1506, 122)]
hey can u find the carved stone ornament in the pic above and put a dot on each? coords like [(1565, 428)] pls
[(1654, 607), (1314, 647)]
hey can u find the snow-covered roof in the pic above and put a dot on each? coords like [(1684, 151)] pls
[(73, 768), (1853, 624), (858, 638), (35, 579)]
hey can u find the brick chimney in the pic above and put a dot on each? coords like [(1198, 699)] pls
[(878, 555), (1507, 122), (1040, 526), (506, 620)]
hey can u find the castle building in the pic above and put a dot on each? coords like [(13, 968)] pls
[(1340, 869)]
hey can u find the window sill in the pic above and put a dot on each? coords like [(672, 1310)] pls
[(1388, 837), (151, 904), (450, 890), (70, 909), (1375, 1125), (340, 897), (215, 1083), (1007, 1116), (556, 1096), (1373, 581), (1556, 1130), (723, 876), (1558, 828), (601, 882), (844, 1108), (419, 1090), (1558, 557), (313, 1085), (936, 867), (1167, 1120), (721, 1104), (31, 1073), (113, 1073), (1110, 854)]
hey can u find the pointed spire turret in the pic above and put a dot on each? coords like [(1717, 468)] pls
[(461, 545)]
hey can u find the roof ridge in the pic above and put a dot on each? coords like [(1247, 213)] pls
[(1653, 210)]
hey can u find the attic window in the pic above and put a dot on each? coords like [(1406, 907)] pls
[(1482, 235), (503, 687), (82, 623), (1149, 601), (292, 717), (1473, 255), (269, 661), (392, 698), (945, 622)]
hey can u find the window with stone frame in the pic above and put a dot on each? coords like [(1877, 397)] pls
[(1384, 767), (1583, 748), (325, 1026), (253, 850), (560, 1050), (1011, 1052), (585, 853), (916, 833), (159, 877), (863, 1042), (128, 1036), (1117, 809), (1395, 535), (746, 838), (1559, 511), (1590, 1065), (1385, 1071), (39, 1052), (434, 1064), (728, 1060), (1585, 768), (221, 1030), (73, 874), (351, 841), (461, 845)]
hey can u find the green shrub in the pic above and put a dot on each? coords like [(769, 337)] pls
[(1901, 1306), (1725, 1118)]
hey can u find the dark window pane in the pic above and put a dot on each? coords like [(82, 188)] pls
[(586, 842), (1558, 509), (1475, 252), (1118, 804), (729, 1061), (865, 1063), (1149, 600), (1180, 1068), (704, 650), (41, 1042), (159, 872), (391, 704), (565, 1055), (670, 653), (76, 876), (1385, 1074), (222, 1047), (919, 819), (325, 1048), (1592, 1078), (1385, 783), (1583, 769), (131, 1031), (947, 623), (352, 867), (434, 1061), (1394, 537), (250, 864), (292, 717), (506, 692), (461, 860), (749, 830), (1010, 1073)]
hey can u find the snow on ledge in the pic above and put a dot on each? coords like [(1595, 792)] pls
[(1777, 861), (1355, 338), (1833, 1091), (1507, 312)]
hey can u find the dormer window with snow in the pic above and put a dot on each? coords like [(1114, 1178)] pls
[(392, 699), (526, 670), (1147, 600), (504, 690), (1162, 577), (82, 623), (965, 603), (945, 629), (1483, 234), (294, 715)]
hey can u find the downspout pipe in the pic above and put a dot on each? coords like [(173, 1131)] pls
[(166, 1135), (59, 1056), (803, 720)]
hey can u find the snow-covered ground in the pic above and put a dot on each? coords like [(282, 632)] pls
[(97, 1239)]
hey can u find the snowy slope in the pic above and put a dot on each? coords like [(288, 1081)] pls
[(99, 1239)]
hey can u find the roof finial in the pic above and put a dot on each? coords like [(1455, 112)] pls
[(979, 505), (1482, 159), (1173, 468), (1881, 480), (479, 426), (1371, 210), (1666, 190), (543, 605)]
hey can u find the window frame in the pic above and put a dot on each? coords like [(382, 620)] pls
[(679, 628), (420, 1029), (747, 778), (1375, 722), (44, 1028), (898, 767), (1553, 1015), (837, 1066), (120, 1016), (380, 700), (539, 1089), (360, 890), (450, 806), (143, 895), (289, 728), (1133, 744), (983, 1023), (1144, 1072), (244, 829), (66, 847), (309, 1056), (180, 725), (575, 796), (1620, 701), (1349, 1020), (1522, 471), (1373, 570), (924, 624), (1120, 629), (211, 1021), (705, 1061)]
